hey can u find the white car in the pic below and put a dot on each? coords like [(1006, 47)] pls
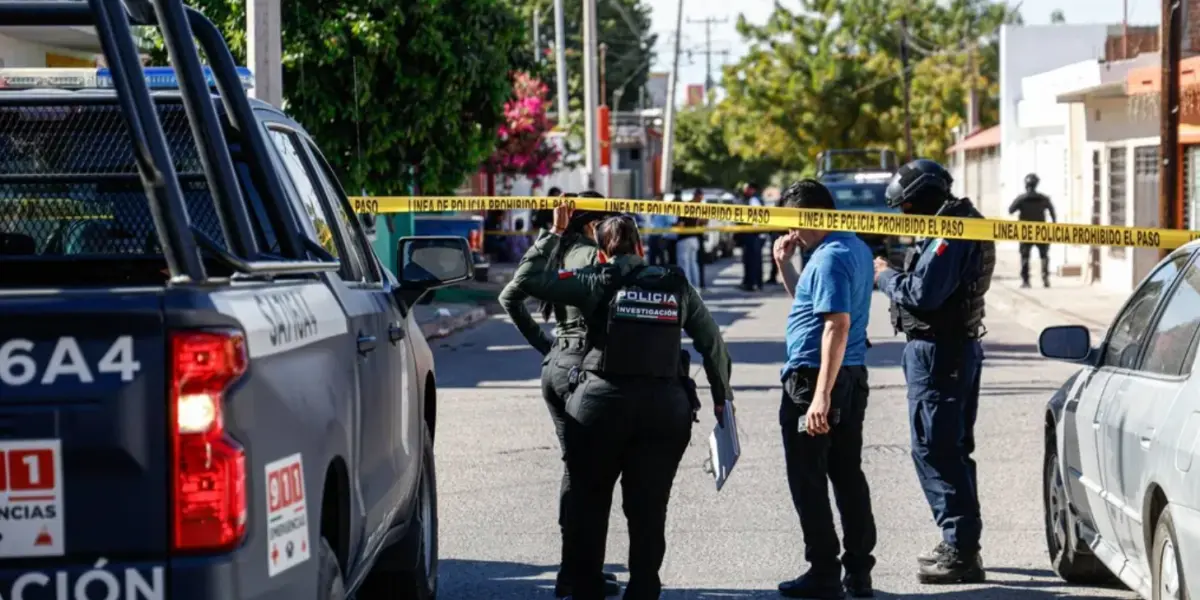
[(1122, 436)]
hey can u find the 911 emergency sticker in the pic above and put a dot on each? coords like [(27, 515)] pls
[(287, 515), (31, 510)]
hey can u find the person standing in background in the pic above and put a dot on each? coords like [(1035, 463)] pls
[(1033, 206), (751, 243), (702, 257), (687, 248), (656, 254)]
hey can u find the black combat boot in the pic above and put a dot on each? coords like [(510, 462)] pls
[(953, 567)]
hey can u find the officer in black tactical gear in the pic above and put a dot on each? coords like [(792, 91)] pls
[(629, 416), (938, 303), (562, 353), (1033, 206)]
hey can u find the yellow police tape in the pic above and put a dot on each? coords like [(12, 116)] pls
[(768, 218)]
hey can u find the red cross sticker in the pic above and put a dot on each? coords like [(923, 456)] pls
[(274, 553)]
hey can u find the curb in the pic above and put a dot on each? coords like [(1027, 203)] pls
[(444, 326)]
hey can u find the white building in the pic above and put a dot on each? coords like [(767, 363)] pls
[(1025, 51), (1113, 148), (975, 166)]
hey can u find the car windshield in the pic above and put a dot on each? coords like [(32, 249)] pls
[(851, 197)]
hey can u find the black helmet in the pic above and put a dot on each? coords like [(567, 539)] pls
[(922, 183), (1031, 180)]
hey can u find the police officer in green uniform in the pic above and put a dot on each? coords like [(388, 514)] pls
[(577, 249), (630, 415)]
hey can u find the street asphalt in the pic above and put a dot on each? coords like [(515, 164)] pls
[(499, 469)]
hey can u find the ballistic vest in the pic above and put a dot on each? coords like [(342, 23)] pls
[(961, 315), (637, 331)]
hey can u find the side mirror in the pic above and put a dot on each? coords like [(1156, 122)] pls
[(430, 262), (1072, 343)]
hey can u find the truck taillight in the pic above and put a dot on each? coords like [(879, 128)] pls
[(209, 466), (475, 240)]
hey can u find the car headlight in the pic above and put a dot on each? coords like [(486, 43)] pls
[(904, 239)]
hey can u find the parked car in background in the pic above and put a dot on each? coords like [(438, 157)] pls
[(1121, 435)]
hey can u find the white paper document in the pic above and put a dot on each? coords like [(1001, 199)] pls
[(724, 448)]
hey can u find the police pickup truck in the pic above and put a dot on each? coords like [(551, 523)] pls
[(209, 387)]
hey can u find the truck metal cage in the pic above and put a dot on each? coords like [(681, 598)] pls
[(83, 152)]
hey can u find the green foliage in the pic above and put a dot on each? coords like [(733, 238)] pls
[(383, 84), (828, 76), (1057, 17), (702, 158)]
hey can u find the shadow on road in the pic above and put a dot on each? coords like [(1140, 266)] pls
[(473, 579)]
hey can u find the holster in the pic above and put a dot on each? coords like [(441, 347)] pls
[(689, 384)]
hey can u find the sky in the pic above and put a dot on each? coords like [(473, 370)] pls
[(725, 36)]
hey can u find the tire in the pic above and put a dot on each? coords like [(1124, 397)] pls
[(408, 569), (1165, 564), (421, 582), (329, 578), (1072, 563)]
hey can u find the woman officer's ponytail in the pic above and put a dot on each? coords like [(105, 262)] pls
[(570, 237)]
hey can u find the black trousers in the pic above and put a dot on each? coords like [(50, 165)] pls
[(636, 429), (566, 354), (1043, 253), (815, 462)]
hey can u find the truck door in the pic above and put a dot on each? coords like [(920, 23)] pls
[(372, 467), (404, 407)]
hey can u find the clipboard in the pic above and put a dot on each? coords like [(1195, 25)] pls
[(724, 448)]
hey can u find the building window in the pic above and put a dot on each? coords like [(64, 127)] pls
[(1116, 194)]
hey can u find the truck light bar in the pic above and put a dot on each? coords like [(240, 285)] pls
[(157, 78)]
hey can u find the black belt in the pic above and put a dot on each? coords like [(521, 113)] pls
[(934, 338)]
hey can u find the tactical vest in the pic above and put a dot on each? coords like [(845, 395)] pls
[(637, 331), (961, 315)]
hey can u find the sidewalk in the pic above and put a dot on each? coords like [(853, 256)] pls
[(1068, 300), (440, 320)]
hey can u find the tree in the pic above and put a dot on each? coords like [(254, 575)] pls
[(829, 76), (1057, 17), (384, 84), (703, 159), (523, 149)]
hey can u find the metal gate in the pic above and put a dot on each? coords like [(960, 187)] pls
[(1116, 194)]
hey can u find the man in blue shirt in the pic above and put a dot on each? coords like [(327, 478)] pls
[(824, 401)]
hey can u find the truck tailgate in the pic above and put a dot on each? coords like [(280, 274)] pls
[(84, 466)]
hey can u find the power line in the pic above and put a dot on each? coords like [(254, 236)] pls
[(708, 22)]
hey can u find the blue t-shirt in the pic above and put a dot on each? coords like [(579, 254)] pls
[(838, 277)]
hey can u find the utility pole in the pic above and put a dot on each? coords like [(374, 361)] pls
[(908, 145), (560, 62), (972, 78), (1168, 174), (264, 52), (537, 55), (1124, 29), (592, 154), (669, 124), (708, 23)]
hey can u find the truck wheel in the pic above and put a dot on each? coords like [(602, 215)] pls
[(421, 581), (329, 578), (1165, 566)]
